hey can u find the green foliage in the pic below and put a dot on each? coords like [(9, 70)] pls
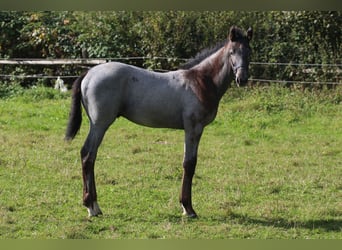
[(37, 93), (9, 89), (298, 37), (14, 89), (107, 34), (279, 36)]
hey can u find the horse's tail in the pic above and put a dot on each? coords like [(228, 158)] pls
[(75, 115)]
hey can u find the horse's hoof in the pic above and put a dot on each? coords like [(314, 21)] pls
[(94, 210), (190, 214)]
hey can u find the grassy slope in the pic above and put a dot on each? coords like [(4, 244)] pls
[(269, 167)]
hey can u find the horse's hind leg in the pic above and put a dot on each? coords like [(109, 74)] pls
[(88, 157)]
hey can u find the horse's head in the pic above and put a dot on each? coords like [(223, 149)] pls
[(239, 53)]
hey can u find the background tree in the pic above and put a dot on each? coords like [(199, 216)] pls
[(305, 37)]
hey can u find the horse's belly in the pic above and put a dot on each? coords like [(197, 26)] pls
[(155, 118)]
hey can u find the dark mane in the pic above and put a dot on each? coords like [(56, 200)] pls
[(237, 35), (202, 55)]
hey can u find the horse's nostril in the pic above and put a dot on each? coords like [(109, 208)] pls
[(241, 81)]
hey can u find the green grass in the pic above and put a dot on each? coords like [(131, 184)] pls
[(269, 167)]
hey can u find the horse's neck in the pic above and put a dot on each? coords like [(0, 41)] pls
[(217, 67)]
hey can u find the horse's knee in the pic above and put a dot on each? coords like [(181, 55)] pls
[(84, 152), (189, 166)]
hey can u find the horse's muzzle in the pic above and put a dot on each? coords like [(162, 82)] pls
[(241, 77)]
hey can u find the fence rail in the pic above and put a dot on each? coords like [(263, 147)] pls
[(96, 61), (22, 61)]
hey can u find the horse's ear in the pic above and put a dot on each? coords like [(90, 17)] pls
[(249, 33), (232, 34)]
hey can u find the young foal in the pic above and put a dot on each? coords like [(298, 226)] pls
[(183, 99)]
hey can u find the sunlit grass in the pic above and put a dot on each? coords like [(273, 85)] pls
[(268, 167)]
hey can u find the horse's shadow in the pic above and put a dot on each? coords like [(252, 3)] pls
[(327, 225)]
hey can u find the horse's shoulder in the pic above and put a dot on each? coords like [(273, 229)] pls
[(203, 87)]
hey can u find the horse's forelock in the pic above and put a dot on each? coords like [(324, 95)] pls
[(237, 34)]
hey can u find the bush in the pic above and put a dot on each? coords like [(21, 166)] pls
[(10, 89), (301, 37), (37, 93)]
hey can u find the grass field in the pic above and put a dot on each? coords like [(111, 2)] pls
[(269, 166)]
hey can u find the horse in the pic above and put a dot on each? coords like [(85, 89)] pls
[(185, 99)]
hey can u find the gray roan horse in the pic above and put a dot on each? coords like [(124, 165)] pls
[(186, 99)]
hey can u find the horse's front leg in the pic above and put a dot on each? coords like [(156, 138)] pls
[(192, 138)]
